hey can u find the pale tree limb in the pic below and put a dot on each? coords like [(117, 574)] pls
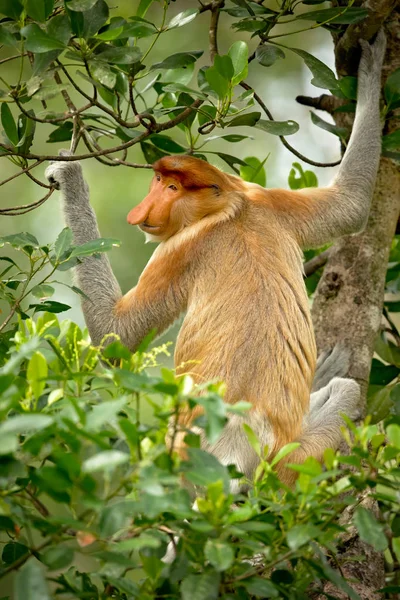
[(348, 303)]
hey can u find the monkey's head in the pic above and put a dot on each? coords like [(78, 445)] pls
[(183, 190)]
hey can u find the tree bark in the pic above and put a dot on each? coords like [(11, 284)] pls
[(349, 299)]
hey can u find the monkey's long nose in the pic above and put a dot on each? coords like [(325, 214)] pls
[(140, 213)]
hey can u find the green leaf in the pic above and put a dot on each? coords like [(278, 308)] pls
[(10, 127), (306, 179), (105, 412), (62, 133), (299, 535), (63, 242), (26, 132), (81, 5), (369, 529), (144, 5), (287, 449), (11, 8), (105, 461), (102, 71), (58, 557), (39, 10), (342, 16), (13, 551), (382, 374), (24, 423), (86, 24), (94, 247), (254, 171), (125, 55), (224, 66), (392, 90), (36, 374), (238, 54), (182, 18), (176, 61), (348, 86), (38, 40), (50, 306), (231, 160), (204, 468), (278, 127), (201, 587), (59, 28), (219, 554), (341, 132), (30, 582), (42, 291), (262, 588), (267, 54), (6, 38), (323, 76), (217, 82), (9, 444), (252, 439), (393, 434), (379, 402), (247, 119), (137, 29), (110, 34), (391, 141), (167, 144)]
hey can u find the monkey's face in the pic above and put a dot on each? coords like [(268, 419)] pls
[(153, 214)]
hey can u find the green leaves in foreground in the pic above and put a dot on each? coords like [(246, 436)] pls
[(83, 439)]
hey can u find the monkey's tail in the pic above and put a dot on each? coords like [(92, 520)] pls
[(322, 427)]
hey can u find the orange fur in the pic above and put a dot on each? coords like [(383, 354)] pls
[(248, 320)]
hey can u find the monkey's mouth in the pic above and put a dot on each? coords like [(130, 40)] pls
[(149, 228)]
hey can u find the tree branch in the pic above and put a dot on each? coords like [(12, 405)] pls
[(25, 208), (347, 49), (325, 102), (315, 263), (309, 161), (213, 31)]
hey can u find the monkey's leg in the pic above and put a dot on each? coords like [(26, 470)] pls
[(331, 363)]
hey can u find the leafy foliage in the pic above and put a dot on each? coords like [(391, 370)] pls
[(86, 477), (87, 50)]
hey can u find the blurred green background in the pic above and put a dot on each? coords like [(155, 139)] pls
[(115, 190)]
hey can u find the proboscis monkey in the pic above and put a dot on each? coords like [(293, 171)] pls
[(230, 257)]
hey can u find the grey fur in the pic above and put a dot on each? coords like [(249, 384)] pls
[(345, 207)]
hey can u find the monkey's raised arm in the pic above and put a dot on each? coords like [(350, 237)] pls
[(319, 215), (155, 302)]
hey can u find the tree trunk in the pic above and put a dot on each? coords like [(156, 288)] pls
[(349, 298)]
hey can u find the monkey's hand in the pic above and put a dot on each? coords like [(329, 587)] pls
[(67, 176), (369, 70)]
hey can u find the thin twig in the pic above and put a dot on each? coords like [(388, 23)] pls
[(25, 208), (315, 263), (25, 170), (4, 60), (37, 181), (309, 161), (145, 134), (213, 31)]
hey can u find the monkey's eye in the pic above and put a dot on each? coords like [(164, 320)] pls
[(173, 187), (158, 177)]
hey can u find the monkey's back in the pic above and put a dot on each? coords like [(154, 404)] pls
[(248, 321)]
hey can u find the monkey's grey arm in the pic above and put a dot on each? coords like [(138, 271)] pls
[(343, 207), (94, 275), (130, 317)]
